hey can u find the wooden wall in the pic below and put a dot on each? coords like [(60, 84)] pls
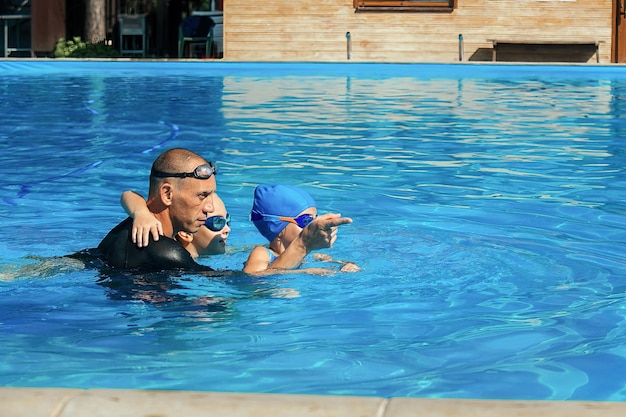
[(48, 25), (315, 31)]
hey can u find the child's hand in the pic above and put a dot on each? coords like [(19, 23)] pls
[(321, 233), (350, 267), (322, 257), (145, 224)]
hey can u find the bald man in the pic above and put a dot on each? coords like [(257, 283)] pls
[(182, 188)]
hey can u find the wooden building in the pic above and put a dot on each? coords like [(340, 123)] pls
[(424, 30), (583, 31)]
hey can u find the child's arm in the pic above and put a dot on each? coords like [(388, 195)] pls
[(319, 234), (144, 222), (346, 266), (258, 261)]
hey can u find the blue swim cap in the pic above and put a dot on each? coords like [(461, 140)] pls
[(278, 200)]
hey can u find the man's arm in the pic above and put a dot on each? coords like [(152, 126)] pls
[(321, 233)]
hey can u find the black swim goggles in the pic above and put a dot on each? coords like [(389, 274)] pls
[(217, 223), (302, 220), (202, 172)]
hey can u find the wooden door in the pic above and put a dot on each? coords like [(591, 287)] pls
[(619, 41)]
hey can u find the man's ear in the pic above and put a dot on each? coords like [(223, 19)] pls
[(185, 238), (166, 193)]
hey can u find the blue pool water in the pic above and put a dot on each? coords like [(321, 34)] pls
[(489, 223)]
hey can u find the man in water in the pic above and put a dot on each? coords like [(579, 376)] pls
[(181, 193), (182, 196)]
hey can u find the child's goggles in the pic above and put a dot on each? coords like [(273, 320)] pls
[(302, 220), (217, 223)]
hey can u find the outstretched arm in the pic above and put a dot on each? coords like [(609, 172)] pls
[(346, 266), (144, 222), (321, 233)]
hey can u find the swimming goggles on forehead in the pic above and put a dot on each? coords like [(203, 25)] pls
[(217, 223), (202, 172), (302, 220)]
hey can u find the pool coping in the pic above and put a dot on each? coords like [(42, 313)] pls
[(68, 402)]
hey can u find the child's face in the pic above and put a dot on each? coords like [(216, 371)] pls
[(208, 242), (292, 231)]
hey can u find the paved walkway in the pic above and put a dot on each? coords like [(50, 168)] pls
[(57, 402)]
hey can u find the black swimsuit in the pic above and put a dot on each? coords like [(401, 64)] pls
[(118, 251)]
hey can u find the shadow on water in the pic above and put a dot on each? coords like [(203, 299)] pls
[(176, 291), (157, 288)]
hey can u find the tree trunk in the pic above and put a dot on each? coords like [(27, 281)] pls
[(95, 19)]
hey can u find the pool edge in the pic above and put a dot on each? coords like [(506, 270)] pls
[(68, 402)]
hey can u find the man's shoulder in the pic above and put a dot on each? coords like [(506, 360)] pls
[(165, 248), (167, 253), (121, 231), (118, 251)]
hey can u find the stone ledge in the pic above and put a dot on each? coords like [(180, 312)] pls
[(59, 402)]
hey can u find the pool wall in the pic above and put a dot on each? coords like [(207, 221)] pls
[(59, 402), (466, 70)]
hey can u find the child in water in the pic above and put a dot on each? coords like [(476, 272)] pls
[(280, 212)]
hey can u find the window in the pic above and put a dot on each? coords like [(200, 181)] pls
[(405, 5)]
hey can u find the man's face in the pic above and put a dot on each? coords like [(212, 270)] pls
[(192, 203)]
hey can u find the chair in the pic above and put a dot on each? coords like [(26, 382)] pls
[(195, 29), (14, 14), (132, 34)]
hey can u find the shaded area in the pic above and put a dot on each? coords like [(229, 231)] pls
[(537, 53)]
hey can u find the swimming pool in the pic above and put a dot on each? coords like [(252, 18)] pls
[(488, 207)]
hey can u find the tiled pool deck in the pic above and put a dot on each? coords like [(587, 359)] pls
[(58, 402)]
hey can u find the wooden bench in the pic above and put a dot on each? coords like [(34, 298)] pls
[(498, 42)]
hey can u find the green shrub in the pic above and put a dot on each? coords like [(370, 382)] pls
[(76, 48)]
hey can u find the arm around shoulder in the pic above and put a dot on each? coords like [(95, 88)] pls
[(144, 222)]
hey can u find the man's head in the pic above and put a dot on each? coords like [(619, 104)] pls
[(182, 185)]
